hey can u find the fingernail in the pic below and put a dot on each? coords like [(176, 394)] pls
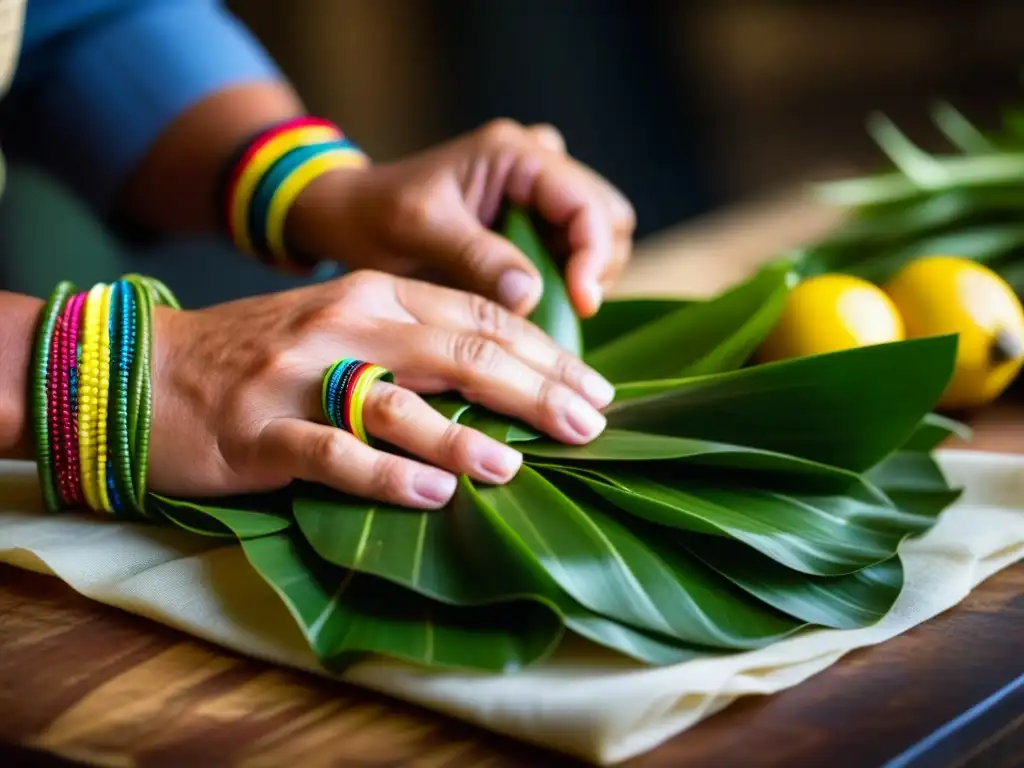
[(597, 389), (434, 487), (584, 420), (515, 288), (596, 296), (497, 462)]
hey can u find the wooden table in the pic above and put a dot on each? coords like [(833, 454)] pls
[(92, 684)]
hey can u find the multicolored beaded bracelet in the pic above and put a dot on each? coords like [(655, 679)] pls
[(266, 177), (91, 395)]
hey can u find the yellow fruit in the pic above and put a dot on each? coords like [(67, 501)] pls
[(946, 294), (828, 313)]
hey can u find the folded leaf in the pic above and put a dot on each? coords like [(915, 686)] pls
[(616, 445), (851, 601), (554, 313), (601, 565), (703, 337), (848, 409), (344, 614), (821, 535)]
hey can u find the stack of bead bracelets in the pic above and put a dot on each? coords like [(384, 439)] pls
[(91, 395), (269, 173)]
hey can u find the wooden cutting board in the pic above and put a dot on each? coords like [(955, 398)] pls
[(92, 684)]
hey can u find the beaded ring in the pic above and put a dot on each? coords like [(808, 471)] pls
[(343, 393)]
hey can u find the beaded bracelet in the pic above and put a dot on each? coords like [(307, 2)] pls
[(91, 395), (269, 173)]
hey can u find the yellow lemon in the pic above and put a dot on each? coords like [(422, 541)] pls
[(828, 313), (946, 294)]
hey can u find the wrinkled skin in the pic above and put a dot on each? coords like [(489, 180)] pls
[(237, 390)]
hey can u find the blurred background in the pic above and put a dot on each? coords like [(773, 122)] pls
[(687, 105)]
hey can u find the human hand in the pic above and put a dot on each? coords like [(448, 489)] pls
[(430, 215), (237, 390)]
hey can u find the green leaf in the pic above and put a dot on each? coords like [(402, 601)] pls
[(456, 558), (933, 431), (620, 316), (704, 337), (449, 405), (344, 614), (605, 568), (851, 601), (615, 445), (915, 482), (554, 313), (220, 520), (848, 409), (820, 535)]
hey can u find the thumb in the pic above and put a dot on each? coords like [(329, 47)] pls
[(483, 262)]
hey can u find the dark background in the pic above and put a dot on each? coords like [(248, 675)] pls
[(687, 105)]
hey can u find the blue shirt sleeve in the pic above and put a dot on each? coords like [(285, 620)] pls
[(101, 79)]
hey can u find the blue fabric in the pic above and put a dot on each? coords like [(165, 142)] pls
[(99, 80)]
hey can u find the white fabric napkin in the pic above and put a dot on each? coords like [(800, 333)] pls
[(585, 701)]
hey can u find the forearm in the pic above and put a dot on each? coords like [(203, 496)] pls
[(173, 189), (18, 318)]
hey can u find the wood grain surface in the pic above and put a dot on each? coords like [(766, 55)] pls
[(85, 683)]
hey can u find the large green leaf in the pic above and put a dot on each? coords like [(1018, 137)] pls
[(913, 480), (344, 614), (821, 535), (616, 445), (554, 313), (704, 337), (850, 601), (455, 557), (604, 567), (848, 409), (621, 316)]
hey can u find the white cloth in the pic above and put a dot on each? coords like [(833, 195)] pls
[(585, 701)]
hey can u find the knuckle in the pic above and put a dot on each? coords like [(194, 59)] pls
[(551, 398), (412, 210), (454, 444), (476, 353), (567, 368), (502, 130), (489, 318), (394, 406), (389, 477), (327, 451)]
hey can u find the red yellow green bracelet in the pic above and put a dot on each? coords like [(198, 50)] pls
[(268, 174)]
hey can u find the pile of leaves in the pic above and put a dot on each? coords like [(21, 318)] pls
[(968, 202), (725, 507)]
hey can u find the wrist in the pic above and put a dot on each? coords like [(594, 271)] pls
[(319, 226), (90, 403), (20, 320)]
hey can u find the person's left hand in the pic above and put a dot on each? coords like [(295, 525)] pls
[(430, 216)]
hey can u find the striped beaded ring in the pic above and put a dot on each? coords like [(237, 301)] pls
[(345, 387)]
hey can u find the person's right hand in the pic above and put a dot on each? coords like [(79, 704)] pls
[(237, 390)]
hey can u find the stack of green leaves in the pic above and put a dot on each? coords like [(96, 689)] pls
[(726, 506), (966, 203)]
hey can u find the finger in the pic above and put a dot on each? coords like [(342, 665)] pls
[(333, 457), (548, 137), (563, 195), (403, 419), (481, 261), (485, 373), (461, 312)]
